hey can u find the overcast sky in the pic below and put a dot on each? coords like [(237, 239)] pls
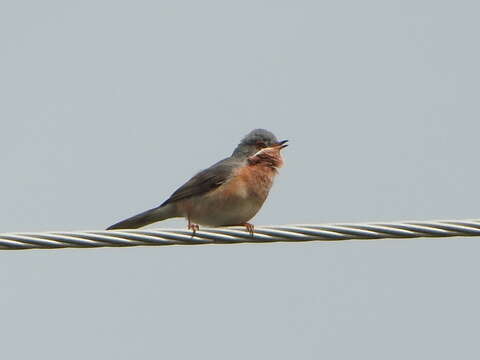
[(108, 106)]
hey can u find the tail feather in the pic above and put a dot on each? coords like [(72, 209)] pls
[(147, 217)]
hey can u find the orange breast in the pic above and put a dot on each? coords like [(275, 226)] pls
[(256, 179), (234, 202)]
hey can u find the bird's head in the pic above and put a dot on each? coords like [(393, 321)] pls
[(257, 140)]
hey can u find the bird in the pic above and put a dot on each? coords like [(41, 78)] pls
[(228, 193)]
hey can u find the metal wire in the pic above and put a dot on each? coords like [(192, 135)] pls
[(235, 235)]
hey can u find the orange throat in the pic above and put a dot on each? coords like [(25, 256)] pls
[(268, 157)]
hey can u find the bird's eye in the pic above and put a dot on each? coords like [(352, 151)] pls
[(261, 144)]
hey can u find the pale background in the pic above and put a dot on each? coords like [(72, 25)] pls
[(108, 106)]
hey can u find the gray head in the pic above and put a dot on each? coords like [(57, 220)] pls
[(254, 141)]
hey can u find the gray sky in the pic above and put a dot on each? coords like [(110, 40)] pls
[(109, 106)]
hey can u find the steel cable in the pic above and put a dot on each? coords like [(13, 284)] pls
[(235, 235)]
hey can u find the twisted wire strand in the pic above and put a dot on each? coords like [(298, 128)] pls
[(235, 235)]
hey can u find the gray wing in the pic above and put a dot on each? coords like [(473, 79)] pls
[(205, 181)]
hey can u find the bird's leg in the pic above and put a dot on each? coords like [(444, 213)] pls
[(250, 228), (193, 227)]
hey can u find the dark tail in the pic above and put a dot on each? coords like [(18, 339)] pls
[(145, 218)]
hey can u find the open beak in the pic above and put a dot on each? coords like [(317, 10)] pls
[(281, 144)]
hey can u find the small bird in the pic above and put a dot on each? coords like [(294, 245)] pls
[(229, 192)]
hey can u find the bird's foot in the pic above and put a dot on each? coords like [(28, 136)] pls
[(193, 227), (250, 228)]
